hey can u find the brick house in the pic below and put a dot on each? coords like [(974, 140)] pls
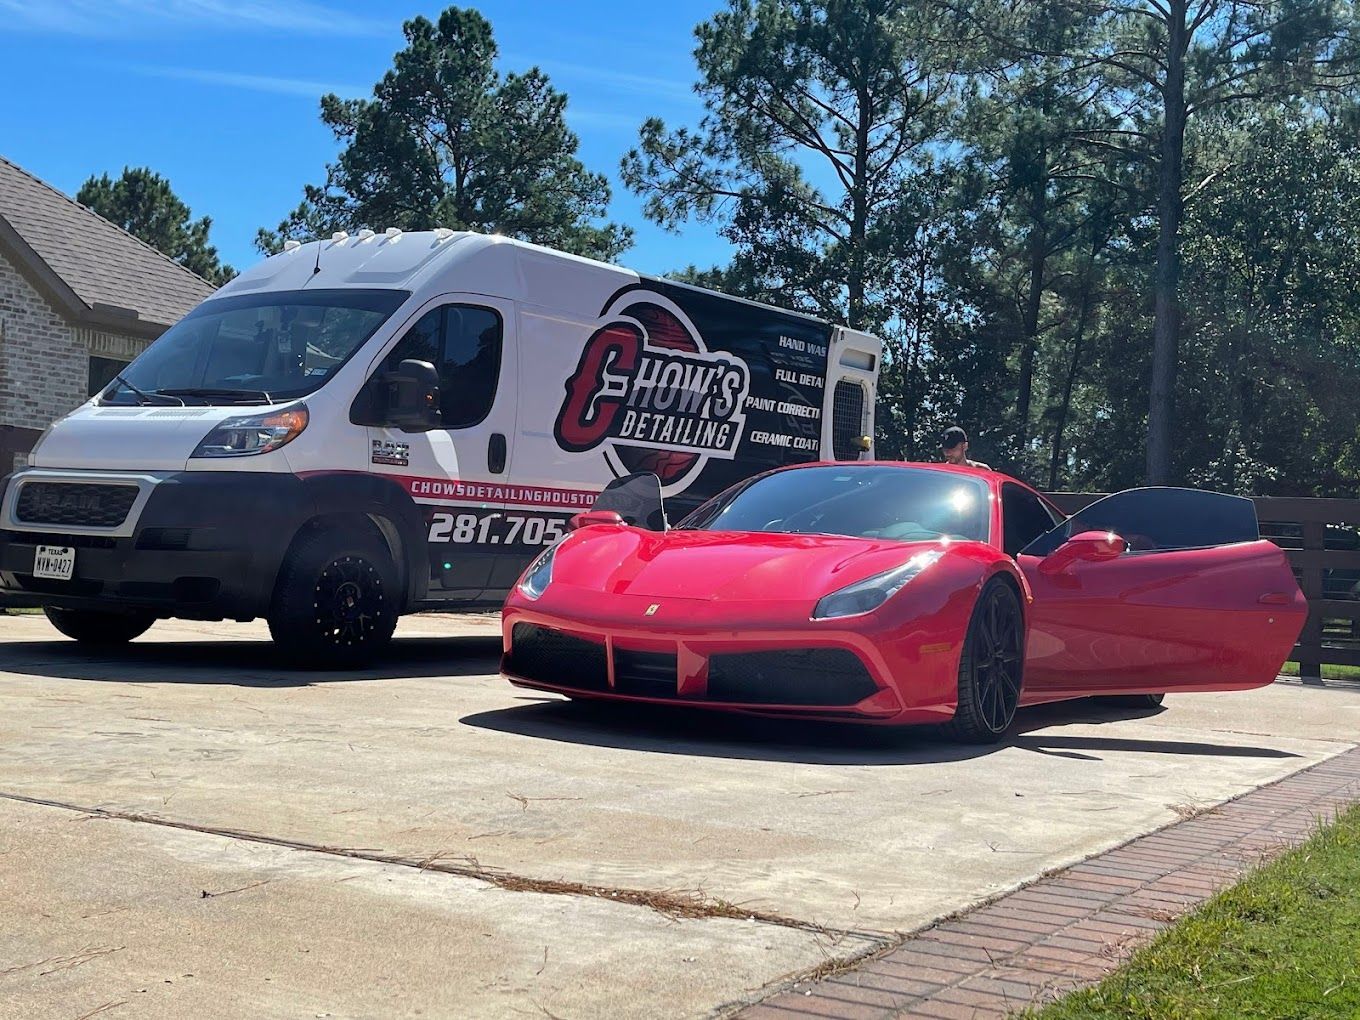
[(79, 298)]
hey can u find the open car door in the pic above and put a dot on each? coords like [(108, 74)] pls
[(1158, 589)]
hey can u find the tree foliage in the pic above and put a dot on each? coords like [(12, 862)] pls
[(143, 203), (447, 140), (1114, 238)]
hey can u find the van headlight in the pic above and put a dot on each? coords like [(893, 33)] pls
[(867, 595), (537, 578), (257, 433)]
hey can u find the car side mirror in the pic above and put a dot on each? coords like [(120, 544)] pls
[(1087, 546), (637, 499), (412, 397), (589, 517)]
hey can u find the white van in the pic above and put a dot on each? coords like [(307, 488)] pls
[(382, 424)]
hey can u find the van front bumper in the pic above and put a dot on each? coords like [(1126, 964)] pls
[(197, 545)]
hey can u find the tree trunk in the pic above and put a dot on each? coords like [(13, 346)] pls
[(1030, 330), (1166, 279), (1066, 406), (859, 213)]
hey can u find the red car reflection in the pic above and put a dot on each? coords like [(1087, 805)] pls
[(904, 593)]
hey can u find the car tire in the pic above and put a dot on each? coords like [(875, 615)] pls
[(991, 668), (335, 603), (94, 627), (1132, 700)]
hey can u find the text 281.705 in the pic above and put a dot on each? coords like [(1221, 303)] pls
[(496, 528)]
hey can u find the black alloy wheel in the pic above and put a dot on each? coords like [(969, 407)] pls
[(349, 600), (991, 669)]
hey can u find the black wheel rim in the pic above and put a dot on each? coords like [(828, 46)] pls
[(349, 601), (996, 660)]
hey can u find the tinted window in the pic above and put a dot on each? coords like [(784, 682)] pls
[(1160, 519), (1024, 518), (903, 504), (281, 343), (463, 343)]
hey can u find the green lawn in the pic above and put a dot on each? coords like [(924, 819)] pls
[(1284, 944), (1328, 672)]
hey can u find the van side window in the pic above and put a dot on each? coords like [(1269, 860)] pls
[(1023, 517), (463, 343)]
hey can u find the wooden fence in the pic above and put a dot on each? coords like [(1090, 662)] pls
[(1322, 538)]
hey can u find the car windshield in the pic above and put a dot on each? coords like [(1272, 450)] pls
[(879, 502), (255, 348)]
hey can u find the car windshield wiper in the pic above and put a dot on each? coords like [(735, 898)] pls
[(256, 396), (144, 397)]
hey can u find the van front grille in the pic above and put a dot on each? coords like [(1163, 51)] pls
[(74, 504)]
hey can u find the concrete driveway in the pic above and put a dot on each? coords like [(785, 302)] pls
[(187, 830)]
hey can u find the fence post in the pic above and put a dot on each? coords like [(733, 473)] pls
[(1310, 580)]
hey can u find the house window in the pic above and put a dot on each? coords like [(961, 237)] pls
[(102, 371)]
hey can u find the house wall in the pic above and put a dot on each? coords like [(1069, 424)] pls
[(44, 363)]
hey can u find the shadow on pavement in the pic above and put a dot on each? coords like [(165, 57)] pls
[(666, 730), (243, 663)]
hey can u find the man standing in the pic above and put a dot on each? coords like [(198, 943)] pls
[(954, 446)]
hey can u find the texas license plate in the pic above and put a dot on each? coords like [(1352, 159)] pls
[(56, 562)]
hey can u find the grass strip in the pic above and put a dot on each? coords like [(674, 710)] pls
[(1282, 944)]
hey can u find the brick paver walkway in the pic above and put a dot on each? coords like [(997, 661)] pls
[(1072, 928)]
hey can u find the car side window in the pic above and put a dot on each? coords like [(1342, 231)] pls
[(1023, 517), (463, 343)]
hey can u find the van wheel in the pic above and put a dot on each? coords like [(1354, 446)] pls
[(92, 627), (335, 603), (991, 669)]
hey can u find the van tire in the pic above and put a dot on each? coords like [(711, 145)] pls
[(93, 627), (335, 604)]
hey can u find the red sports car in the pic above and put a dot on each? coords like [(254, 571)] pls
[(902, 593)]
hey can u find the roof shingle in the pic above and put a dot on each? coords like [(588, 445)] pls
[(100, 262)]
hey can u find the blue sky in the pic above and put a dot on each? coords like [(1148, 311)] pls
[(221, 96)]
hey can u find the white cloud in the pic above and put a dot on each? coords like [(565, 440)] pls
[(130, 17), (640, 84), (254, 82)]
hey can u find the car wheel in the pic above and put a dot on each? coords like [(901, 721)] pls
[(335, 603), (93, 627), (991, 669), (1132, 700)]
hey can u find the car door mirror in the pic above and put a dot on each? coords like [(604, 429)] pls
[(1087, 546), (585, 520), (636, 499), (411, 397)]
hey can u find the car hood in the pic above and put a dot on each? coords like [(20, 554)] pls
[(735, 566)]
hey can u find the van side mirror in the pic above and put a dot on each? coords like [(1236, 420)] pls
[(1088, 546), (589, 517), (411, 397)]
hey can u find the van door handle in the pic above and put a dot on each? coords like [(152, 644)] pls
[(495, 453)]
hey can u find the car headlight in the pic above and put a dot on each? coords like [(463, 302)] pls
[(536, 579), (257, 433), (867, 595)]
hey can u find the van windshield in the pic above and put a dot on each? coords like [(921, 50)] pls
[(255, 348)]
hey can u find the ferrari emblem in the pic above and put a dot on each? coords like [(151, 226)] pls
[(651, 610)]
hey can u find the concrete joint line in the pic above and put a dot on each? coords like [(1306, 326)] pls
[(675, 904)]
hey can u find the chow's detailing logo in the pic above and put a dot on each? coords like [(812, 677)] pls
[(648, 390)]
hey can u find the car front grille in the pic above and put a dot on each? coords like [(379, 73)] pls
[(547, 656), (645, 674), (797, 676), (74, 504)]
